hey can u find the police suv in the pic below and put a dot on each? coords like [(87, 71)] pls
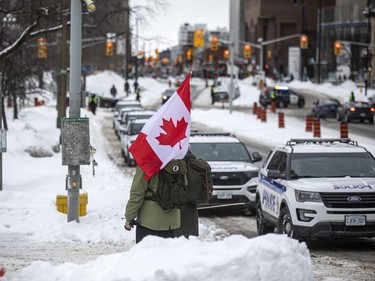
[(234, 175), (311, 188)]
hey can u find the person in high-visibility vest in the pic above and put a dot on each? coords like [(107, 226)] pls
[(273, 95), (93, 103), (351, 96)]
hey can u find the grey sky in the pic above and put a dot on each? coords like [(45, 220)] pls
[(213, 13)]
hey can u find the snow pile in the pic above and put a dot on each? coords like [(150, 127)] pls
[(266, 258)]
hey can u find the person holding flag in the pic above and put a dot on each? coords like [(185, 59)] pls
[(161, 145)]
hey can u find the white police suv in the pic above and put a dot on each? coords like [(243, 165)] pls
[(234, 175), (311, 188)]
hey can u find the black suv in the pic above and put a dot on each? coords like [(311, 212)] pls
[(284, 97)]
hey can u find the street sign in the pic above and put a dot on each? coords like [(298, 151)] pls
[(75, 141)]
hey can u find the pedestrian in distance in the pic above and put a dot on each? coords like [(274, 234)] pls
[(126, 87), (213, 91), (138, 94), (151, 218), (113, 91), (93, 103), (351, 96), (135, 86)]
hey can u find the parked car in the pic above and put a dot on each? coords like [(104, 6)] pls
[(167, 94), (128, 137), (234, 175), (284, 97), (223, 89), (120, 115), (317, 188), (358, 110), (325, 107), (133, 115)]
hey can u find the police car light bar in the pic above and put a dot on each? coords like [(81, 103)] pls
[(297, 141)]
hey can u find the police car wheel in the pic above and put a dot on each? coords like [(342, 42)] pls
[(262, 227), (285, 223)]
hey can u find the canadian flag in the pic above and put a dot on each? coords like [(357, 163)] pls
[(166, 134)]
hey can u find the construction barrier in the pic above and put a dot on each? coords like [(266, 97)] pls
[(316, 132), (344, 131), (273, 106), (255, 108), (309, 123), (263, 117), (62, 204), (281, 120)]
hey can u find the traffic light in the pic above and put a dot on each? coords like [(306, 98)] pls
[(42, 48), (109, 49), (337, 46), (226, 54), (247, 51), (188, 54), (303, 42), (199, 38), (214, 44)]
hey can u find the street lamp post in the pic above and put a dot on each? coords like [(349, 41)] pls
[(319, 40), (303, 52)]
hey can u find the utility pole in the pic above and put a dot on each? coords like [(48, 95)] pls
[(1, 129), (62, 74), (75, 98), (319, 40), (231, 58), (127, 39), (137, 46)]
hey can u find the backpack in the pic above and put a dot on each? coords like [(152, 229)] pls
[(171, 192), (200, 185)]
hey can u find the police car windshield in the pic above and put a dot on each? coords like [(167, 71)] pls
[(221, 151), (318, 165)]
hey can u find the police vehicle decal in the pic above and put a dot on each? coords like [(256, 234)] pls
[(274, 185), (269, 201), (352, 186)]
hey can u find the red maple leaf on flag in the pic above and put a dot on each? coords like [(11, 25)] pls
[(173, 134)]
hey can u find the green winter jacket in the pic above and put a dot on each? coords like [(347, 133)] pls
[(148, 213)]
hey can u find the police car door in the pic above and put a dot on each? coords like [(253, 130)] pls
[(293, 98), (271, 194)]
